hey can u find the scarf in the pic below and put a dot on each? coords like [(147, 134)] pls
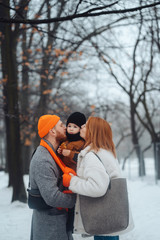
[(59, 162)]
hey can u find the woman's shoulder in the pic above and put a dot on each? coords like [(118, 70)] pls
[(101, 152), (105, 153), (110, 162)]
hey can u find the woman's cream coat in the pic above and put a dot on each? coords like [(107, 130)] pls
[(92, 178)]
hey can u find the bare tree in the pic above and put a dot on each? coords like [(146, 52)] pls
[(11, 108), (34, 81), (90, 12), (135, 76)]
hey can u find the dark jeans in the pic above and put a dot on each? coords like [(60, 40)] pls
[(106, 237), (70, 219)]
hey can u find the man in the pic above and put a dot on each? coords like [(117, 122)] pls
[(46, 176)]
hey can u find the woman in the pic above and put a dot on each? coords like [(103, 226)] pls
[(92, 176)]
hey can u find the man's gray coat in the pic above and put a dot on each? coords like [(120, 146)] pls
[(46, 176)]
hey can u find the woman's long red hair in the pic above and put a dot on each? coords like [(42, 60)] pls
[(99, 135)]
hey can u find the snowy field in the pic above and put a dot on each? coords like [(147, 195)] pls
[(144, 195)]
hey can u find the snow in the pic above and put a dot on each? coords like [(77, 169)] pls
[(144, 196)]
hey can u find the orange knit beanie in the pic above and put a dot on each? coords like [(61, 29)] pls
[(45, 123)]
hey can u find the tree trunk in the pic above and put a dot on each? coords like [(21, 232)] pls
[(156, 147), (24, 102), (11, 109), (136, 142)]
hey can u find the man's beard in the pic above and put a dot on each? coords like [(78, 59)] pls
[(60, 137)]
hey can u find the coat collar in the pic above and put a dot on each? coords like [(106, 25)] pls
[(84, 152)]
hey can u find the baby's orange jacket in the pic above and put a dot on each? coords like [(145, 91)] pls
[(75, 147)]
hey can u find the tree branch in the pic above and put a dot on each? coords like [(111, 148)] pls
[(100, 8), (74, 16), (80, 1)]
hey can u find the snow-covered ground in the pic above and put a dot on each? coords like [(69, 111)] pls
[(144, 195)]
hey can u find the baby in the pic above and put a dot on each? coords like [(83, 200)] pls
[(69, 150), (74, 144)]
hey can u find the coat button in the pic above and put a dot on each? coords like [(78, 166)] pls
[(76, 212)]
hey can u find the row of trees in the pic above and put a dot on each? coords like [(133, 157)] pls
[(48, 63), (135, 71)]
